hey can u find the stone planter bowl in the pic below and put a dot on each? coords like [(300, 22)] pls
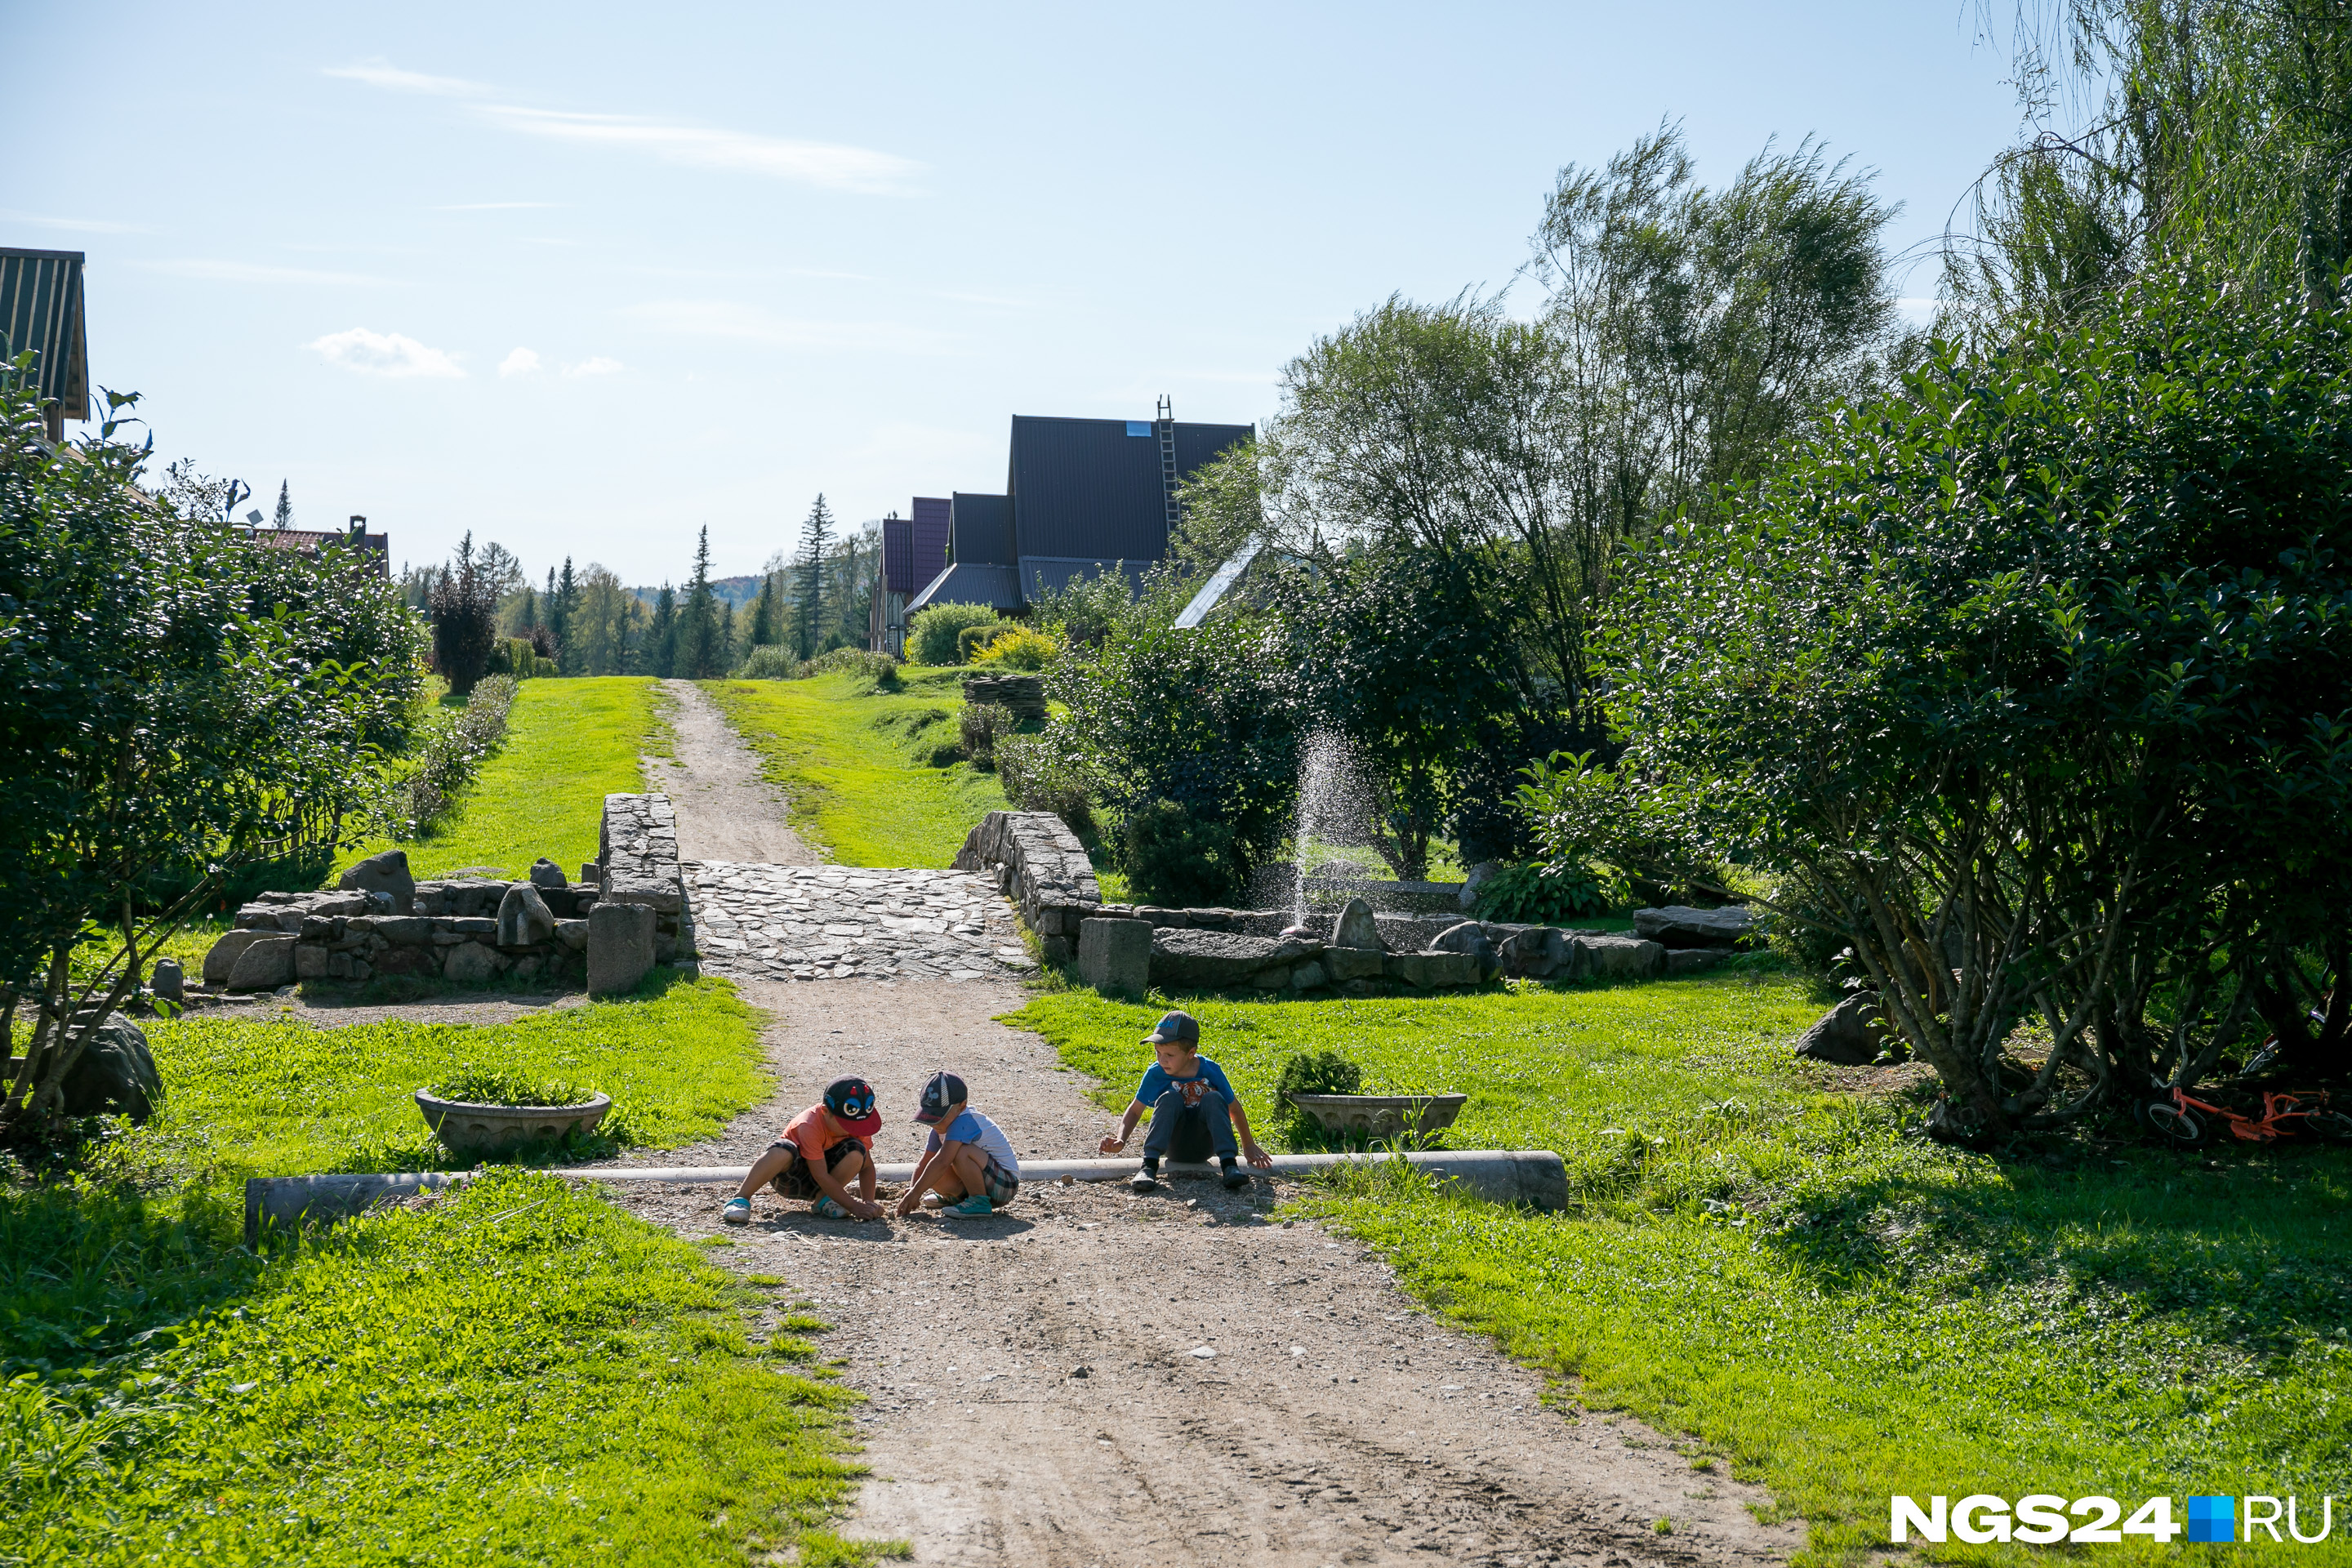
[(1383, 1115), (476, 1130)]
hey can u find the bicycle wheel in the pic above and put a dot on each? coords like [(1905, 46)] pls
[(2177, 1125), (2330, 1126)]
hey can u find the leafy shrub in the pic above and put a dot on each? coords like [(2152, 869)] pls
[(520, 657), (1039, 774), (1017, 647), (463, 605), (1175, 858), (877, 667), (932, 636), (1318, 1072), (486, 1086), (985, 724), (971, 639), (772, 661), (769, 662), (1530, 894), (437, 771)]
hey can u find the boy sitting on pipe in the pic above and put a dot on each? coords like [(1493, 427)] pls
[(1192, 1108), (968, 1168), (823, 1149)]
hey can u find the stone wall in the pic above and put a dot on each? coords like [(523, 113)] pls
[(636, 861), (1040, 865), (454, 933)]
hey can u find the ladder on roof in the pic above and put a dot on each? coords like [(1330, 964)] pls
[(1166, 421)]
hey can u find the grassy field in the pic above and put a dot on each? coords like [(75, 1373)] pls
[(569, 744), (1827, 1301), (857, 764), (517, 1373)]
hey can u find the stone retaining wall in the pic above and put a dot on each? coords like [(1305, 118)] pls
[(636, 861), (1040, 865), (454, 933)]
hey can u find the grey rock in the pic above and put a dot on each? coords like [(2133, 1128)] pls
[(572, 934), (386, 873), (115, 1072), (546, 873), (1618, 958), (1431, 971), (1852, 1034), (620, 947), (1691, 959), (403, 928), (1307, 978), (1537, 952), (1476, 881), (591, 873), (473, 961), (1356, 926), (1470, 938), (1115, 956), (523, 916), (1678, 926), (1346, 963), (311, 960), (1212, 960), (168, 984), (265, 963)]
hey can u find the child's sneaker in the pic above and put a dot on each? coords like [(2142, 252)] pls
[(1235, 1176), (735, 1211), (976, 1206), (825, 1208), (1146, 1180)]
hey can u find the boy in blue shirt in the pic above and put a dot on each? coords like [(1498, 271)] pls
[(968, 1161), (1190, 1101)]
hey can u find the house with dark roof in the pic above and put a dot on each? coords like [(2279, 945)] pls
[(1081, 497), (373, 550), (41, 310), (914, 551)]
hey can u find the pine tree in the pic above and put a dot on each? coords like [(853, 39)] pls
[(699, 650), (563, 608), (726, 652), (657, 654), (764, 613), (816, 533), (285, 518)]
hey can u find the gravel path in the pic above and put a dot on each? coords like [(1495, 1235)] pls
[(726, 811)]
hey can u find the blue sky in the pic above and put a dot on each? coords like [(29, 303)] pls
[(582, 278)]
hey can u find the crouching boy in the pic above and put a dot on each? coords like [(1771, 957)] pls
[(1192, 1109), (968, 1163), (825, 1149)]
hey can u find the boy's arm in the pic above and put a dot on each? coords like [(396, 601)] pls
[(1112, 1145), (917, 1183), (1255, 1155), (832, 1187)]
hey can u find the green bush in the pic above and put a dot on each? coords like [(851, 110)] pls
[(772, 661), (1318, 1072), (491, 1085), (1175, 858), (1553, 895), (972, 638), (517, 659), (1039, 774), (420, 794), (983, 724), (769, 662), (1017, 647), (933, 635)]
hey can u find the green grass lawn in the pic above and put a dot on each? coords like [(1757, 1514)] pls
[(569, 744), (514, 1373), (855, 762), (1834, 1305)]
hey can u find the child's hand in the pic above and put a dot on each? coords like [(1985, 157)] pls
[(911, 1203), (1257, 1156), (1112, 1143)]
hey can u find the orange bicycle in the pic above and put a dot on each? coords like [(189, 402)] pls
[(2185, 1121)]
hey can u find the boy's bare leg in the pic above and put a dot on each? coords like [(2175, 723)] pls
[(767, 1168)]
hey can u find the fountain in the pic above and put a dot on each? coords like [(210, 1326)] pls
[(1332, 805)]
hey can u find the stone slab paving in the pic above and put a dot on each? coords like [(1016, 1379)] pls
[(761, 921)]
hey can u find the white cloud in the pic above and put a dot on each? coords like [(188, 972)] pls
[(1918, 312), (595, 365), (217, 271), (381, 72), (521, 361), (385, 353), (493, 207), (754, 324), (73, 225), (824, 164)]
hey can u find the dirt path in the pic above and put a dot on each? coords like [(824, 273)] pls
[(726, 811), (1036, 1391)]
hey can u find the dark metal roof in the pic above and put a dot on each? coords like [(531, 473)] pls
[(898, 556), (1089, 489), (931, 529), (983, 528), (41, 309), (967, 583), (1050, 574)]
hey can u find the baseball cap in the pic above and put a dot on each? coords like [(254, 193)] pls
[(850, 1100), (1177, 1029), (944, 1090)]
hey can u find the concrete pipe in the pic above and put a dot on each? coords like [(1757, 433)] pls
[(1534, 1177)]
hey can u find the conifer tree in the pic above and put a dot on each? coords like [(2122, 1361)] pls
[(657, 654), (765, 617), (699, 649), (816, 534), (563, 608), (285, 518)]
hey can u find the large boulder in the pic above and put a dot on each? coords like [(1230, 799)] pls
[(1475, 882), (1115, 954), (168, 984), (265, 963), (1537, 952), (472, 963), (1356, 926), (1470, 938), (1852, 1034), (1618, 958), (620, 947), (524, 919), (386, 873), (1433, 971), (1678, 926), (220, 959), (546, 873), (1212, 960), (114, 1072)]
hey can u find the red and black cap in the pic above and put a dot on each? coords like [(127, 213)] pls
[(942, 1095), (852, 1102)]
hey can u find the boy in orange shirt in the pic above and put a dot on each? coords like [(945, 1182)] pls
[(823, 1151)]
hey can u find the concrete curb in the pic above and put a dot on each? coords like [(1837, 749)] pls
[(1531, 1176)]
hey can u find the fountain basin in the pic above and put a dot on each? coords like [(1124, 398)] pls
[(467, 1128), (1382, 1115)]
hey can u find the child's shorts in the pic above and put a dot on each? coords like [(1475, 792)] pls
[(998, 1184), (795, 1181)]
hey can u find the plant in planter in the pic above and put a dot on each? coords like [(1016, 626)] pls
[(1319, 1092), (478, 1113)]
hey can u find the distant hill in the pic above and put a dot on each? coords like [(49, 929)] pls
[(736, 591)]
